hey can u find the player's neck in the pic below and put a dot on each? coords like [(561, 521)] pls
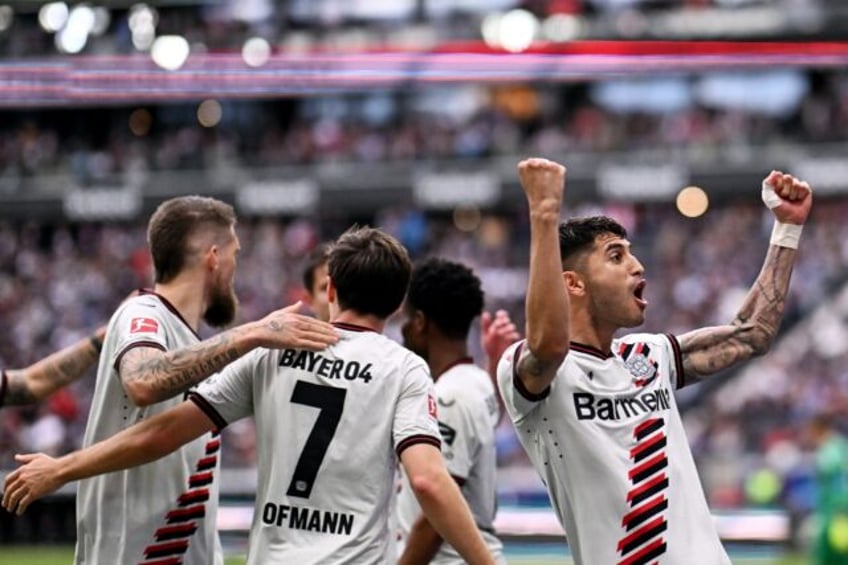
[(183, 295), (363, 320), (586, 331), (444, 354)]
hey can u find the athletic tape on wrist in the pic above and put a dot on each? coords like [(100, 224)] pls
[(770, 197), (786, 235)]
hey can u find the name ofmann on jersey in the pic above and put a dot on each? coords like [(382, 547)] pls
[(590, 406), (309, 519), (323, 367)]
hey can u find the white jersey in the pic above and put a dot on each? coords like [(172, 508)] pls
[(468, 414), (329, 429), (609, 444), (164, 511)]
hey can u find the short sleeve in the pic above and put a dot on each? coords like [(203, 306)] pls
[(138, 323), (227, 396), (676, 375), (518, 401), (415, 418)]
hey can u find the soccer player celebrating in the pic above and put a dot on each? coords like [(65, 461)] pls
[(596, 414), (442, 301), (151, 356), (20, 387), (330, 427)]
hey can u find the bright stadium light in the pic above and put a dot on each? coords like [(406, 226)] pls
[(142, 22), (256, 51), (170, 51), (517, 30), (74, 35), (692, 202), (490, 29), (53, 16), (561, 27), (102, 19)]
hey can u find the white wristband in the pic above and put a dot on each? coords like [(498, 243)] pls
[(786, 235)]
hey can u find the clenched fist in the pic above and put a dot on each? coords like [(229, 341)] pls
[(543, 182), (788, 198)]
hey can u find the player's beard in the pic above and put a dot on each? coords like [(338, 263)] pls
[(222, 307)]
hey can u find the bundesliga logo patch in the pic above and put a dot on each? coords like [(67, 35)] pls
[(144, 325)]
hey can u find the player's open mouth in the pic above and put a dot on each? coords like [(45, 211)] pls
[(638, 293)]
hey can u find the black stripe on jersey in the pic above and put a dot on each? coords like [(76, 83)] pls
[(153, 344), (201, 479), (207, 463), (416, 439), (588, 350), (649, 489), (649, 447), (185, 514), (647, 554), (193, 497), (175, 532), (519, 386), (170, 307), (4, 383), (165, 549), (648, 427), (209, 410), (678, 360), (212, 446), (644, 513), (648, 468), (642, 535)]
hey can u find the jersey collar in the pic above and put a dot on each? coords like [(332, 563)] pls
[(589, 350), (352, 327)]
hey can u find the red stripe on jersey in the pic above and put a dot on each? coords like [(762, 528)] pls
[(655, 548), (640, 450), (185, 514), (656, 523), (207, 463), (643, 467), (644, 512), (173, 532), (656, 482), (200, 479), (164, 549), (193, 496), (212, 446), (646, 427)]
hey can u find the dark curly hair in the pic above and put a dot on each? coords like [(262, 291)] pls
[(448, 293), (577, 235)]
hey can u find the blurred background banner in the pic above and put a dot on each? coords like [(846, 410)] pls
[(312, 115)]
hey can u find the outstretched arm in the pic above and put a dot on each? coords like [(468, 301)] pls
[(151, 375), (709, 350), (547, 303), (144, 442), (43, 378)]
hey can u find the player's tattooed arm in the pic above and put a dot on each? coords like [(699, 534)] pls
[(41, 379), (709, 350), (151, 375)]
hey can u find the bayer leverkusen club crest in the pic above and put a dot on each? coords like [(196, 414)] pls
[(636, 357), (144, 326)]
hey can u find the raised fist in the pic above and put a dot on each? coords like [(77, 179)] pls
[(543, 182), (788, 198)]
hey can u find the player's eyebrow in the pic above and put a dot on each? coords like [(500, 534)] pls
[(617, 245)]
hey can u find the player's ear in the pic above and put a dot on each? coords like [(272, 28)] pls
[(211, 258), (331, 291), (574, 283)]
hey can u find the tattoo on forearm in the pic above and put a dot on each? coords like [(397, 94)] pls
[(49, 375), (709, 350), (177, 371)]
